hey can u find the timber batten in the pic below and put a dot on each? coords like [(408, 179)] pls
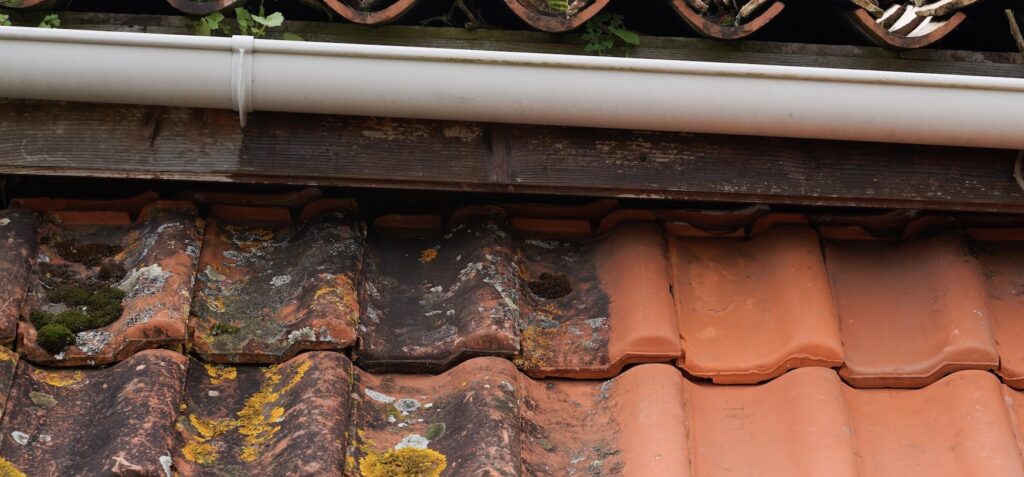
[(55, 138)]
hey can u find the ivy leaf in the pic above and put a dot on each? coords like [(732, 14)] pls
[(5, 20), (630, 37), (273, 20), (292, 37), (202, 28)]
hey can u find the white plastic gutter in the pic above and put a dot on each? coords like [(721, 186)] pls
[(627, 93)]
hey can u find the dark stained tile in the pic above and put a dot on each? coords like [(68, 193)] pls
[(151, 260), (431, 298), (111, 421), (267, 291), (18, 230), (283, 420), (617, 308), (579, 307)]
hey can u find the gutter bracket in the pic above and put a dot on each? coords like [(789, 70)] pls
[(241, 75)]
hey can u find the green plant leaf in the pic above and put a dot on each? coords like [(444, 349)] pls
[(292, 37), (50, 21), (201, 28), (244, 19), (5, 20), (273, 20), (630, 37)]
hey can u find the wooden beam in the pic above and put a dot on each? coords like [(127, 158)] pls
[(76, 139)]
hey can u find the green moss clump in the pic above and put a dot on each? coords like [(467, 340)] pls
[(223, 329), (89, 311), (69, 295), (55, 337)]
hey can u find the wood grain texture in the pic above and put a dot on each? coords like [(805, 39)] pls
[(75, 139)]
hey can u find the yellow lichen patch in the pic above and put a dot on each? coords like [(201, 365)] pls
[(276, 414), (202, 453), (216, 304), (8, 469), (534, 348), (428, 255), (341, 294), (252, 423), (57, 379), (219, 373), (212, 427), (404, 462), (6, 354)]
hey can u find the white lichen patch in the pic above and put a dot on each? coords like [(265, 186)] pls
[(407, 405), (144, 281), (139, 317), (596, 323), (280, 280), (92, 341), (20, 438), (308, 334), (4, 221), (378, 396), (165, 464), (415, 441)]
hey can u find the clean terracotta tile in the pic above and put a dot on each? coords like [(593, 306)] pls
[(794, 425), (910, 313), (18, 230), (268, 291), (152, 260), (592, 306), (283, 420), (958, 426), (749, 310), (110, 421), (432, 297), (1002, 263)]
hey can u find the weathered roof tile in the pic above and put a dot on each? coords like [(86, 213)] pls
[(152, 261), (266, 292), (111, 421), (17, 250)]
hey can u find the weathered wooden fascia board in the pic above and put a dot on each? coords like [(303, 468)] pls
[(75, 139), (671, 48)]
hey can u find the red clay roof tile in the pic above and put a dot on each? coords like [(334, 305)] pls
[(284, 420), (17, 249), (266, 293), (151, 260), (750, 310), (1003, 267), (910, 313), (110, 421)]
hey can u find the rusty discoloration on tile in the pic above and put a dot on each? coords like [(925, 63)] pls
[(18, 230), (289, 419), (750, 310), (910, 313), (430, 298), (266, 293), (151, 260), (112, 421)]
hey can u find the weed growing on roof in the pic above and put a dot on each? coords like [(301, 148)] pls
[(50, 21), (248, 24), (605, 31), (560, 6), (5, 20)]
